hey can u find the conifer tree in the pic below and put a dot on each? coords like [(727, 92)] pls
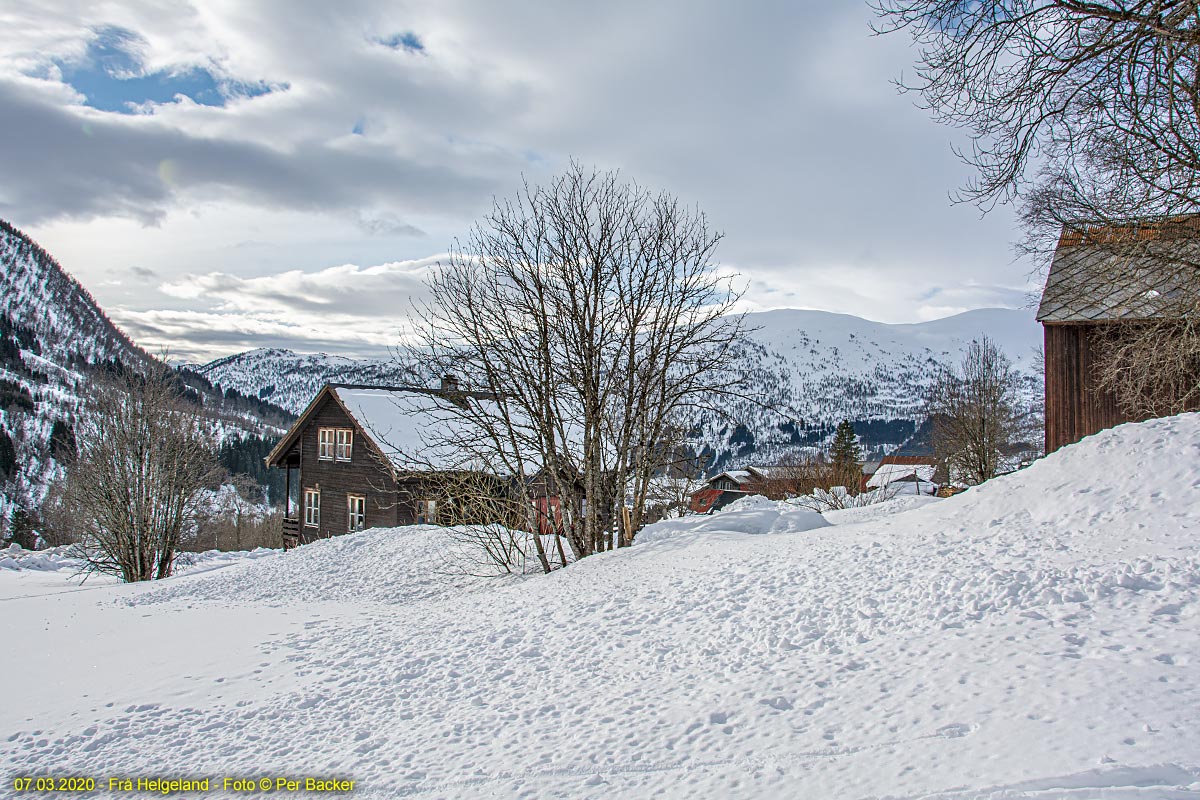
[(846, 455), (8, 456)]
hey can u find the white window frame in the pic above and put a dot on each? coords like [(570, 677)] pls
[(356, 514), (344, 443), (325, 446), (312, 508), (425, 510)]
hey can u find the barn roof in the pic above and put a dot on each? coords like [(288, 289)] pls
[(1120, 272)]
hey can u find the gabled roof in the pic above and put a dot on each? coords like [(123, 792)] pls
[(893, 469), (898, 473), (1111, 273), (406, 425), (738, 476)]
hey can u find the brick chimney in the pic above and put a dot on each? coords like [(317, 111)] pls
[(449, 384)]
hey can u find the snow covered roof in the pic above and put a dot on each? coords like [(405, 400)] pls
[(892, 473), (413, 428), (409, 426), (738, 476)]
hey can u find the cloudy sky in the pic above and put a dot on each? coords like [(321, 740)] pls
[(226, 174)]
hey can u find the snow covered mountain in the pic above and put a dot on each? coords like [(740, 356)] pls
[(290, 380), (52, 334), (823, 367), (817, 368)]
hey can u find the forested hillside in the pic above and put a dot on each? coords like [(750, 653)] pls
[(53, 339)]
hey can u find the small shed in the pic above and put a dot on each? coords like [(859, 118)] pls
[(1101, 276), (906, 474)]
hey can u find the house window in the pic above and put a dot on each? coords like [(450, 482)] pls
[(345, 440), (334, 443), (312, 507), (325, 443), (356, 512), (427, 512)]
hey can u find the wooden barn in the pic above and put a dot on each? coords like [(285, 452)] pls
[(364, 457), (1100, 277)]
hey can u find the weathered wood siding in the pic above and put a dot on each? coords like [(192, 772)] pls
[(363, 474), (1075, 407)]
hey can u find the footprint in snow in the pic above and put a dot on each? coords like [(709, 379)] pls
[(777, 703), (955, 730)]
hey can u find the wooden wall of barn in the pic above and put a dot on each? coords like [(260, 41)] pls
[(1075, 407), (363, 474)]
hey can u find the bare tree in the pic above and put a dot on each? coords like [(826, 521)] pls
[(1089, 114), (1152, 366), (978, 421), (593, 311), (59, 525), (496, 529), (145, 455)]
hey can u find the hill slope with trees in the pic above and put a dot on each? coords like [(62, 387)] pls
[(53, 339)]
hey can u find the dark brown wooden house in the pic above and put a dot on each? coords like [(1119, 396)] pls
[(1100, 277), (362, 457)]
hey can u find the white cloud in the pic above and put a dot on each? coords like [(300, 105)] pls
[(347, 289), (777, 119), (345, 309)]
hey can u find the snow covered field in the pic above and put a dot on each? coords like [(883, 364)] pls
[(1035, 637)]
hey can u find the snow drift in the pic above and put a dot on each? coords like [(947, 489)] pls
[(1034, 637), (381, 565)]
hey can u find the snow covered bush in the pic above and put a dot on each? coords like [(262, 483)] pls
[(836, 498)]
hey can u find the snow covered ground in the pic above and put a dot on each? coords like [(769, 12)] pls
[(1034, 637)]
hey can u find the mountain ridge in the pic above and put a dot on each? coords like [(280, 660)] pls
[(817, 368)]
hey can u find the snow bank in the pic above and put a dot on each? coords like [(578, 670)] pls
[(380, 565), (884, 508), (63, 559), (1036, 636), (53, 559), (751, 515)]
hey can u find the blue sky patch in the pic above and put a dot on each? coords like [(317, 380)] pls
[(407, 41), (112, 76)]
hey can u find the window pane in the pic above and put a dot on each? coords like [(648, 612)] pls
[(312, 507), (345, 437), (356, 512)]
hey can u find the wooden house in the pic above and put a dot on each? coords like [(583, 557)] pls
[(363, 457), (1100, 277), (723, 489)]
